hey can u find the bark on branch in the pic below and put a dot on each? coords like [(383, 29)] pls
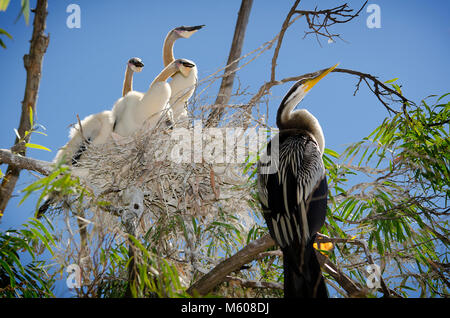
[(254, 250), (226, 85), (33, 66), (23, 163), (253, 284), (218, 274)]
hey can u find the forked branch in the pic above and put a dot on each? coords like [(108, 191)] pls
[(320, 20), (255, 250)]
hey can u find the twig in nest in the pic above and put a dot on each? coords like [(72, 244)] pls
[(81, 129)]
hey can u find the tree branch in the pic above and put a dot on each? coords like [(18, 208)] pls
[(217, 275), (256, 250), (19, 162), (380, 89), (253, 251), (352, 288), (226, 85), (284, 27), (363, 244), (253, 284), (383, 93), (330, 18), (33, 66), (339, 14)]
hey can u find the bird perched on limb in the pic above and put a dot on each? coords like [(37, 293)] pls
[(293, 190)]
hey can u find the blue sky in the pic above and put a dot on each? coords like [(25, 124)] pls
[(83, 68)]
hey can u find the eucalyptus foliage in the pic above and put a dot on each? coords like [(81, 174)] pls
[(19, 278), (401, 208)]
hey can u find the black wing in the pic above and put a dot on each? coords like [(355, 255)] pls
[(294, 198)]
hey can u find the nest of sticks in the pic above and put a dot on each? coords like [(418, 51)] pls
[(152, 187)]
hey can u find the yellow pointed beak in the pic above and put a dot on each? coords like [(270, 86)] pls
[(310, 84)]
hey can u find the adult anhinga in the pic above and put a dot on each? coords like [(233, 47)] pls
[(294, 194)]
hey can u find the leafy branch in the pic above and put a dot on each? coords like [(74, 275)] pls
[(33, 66)]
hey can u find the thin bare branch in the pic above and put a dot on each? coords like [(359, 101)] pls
[(320, 20), (284, 27)]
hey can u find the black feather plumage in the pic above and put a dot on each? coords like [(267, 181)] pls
[(294, 202)]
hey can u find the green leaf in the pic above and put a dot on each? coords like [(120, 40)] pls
[(43, 240), (7, 268), (331, 153), (25, 10), (2, 44), (391, 81), (4, 5), (31, 117), (38, 224), (36, 146), (17, 261), (442, 97), (397, 88), (6, 33), (139, 245), (40, 133)]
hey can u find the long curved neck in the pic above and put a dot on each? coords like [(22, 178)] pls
[(128, 82), (299, 119), (284, 113), (167, 72), (168, 48)]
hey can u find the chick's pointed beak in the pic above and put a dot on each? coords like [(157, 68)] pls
[(188, 64), (187, 31), (195, 27), (310, 84)]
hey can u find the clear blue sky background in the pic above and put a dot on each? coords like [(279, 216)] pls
[(83, 68)]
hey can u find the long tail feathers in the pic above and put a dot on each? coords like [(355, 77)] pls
[(307, 282)]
